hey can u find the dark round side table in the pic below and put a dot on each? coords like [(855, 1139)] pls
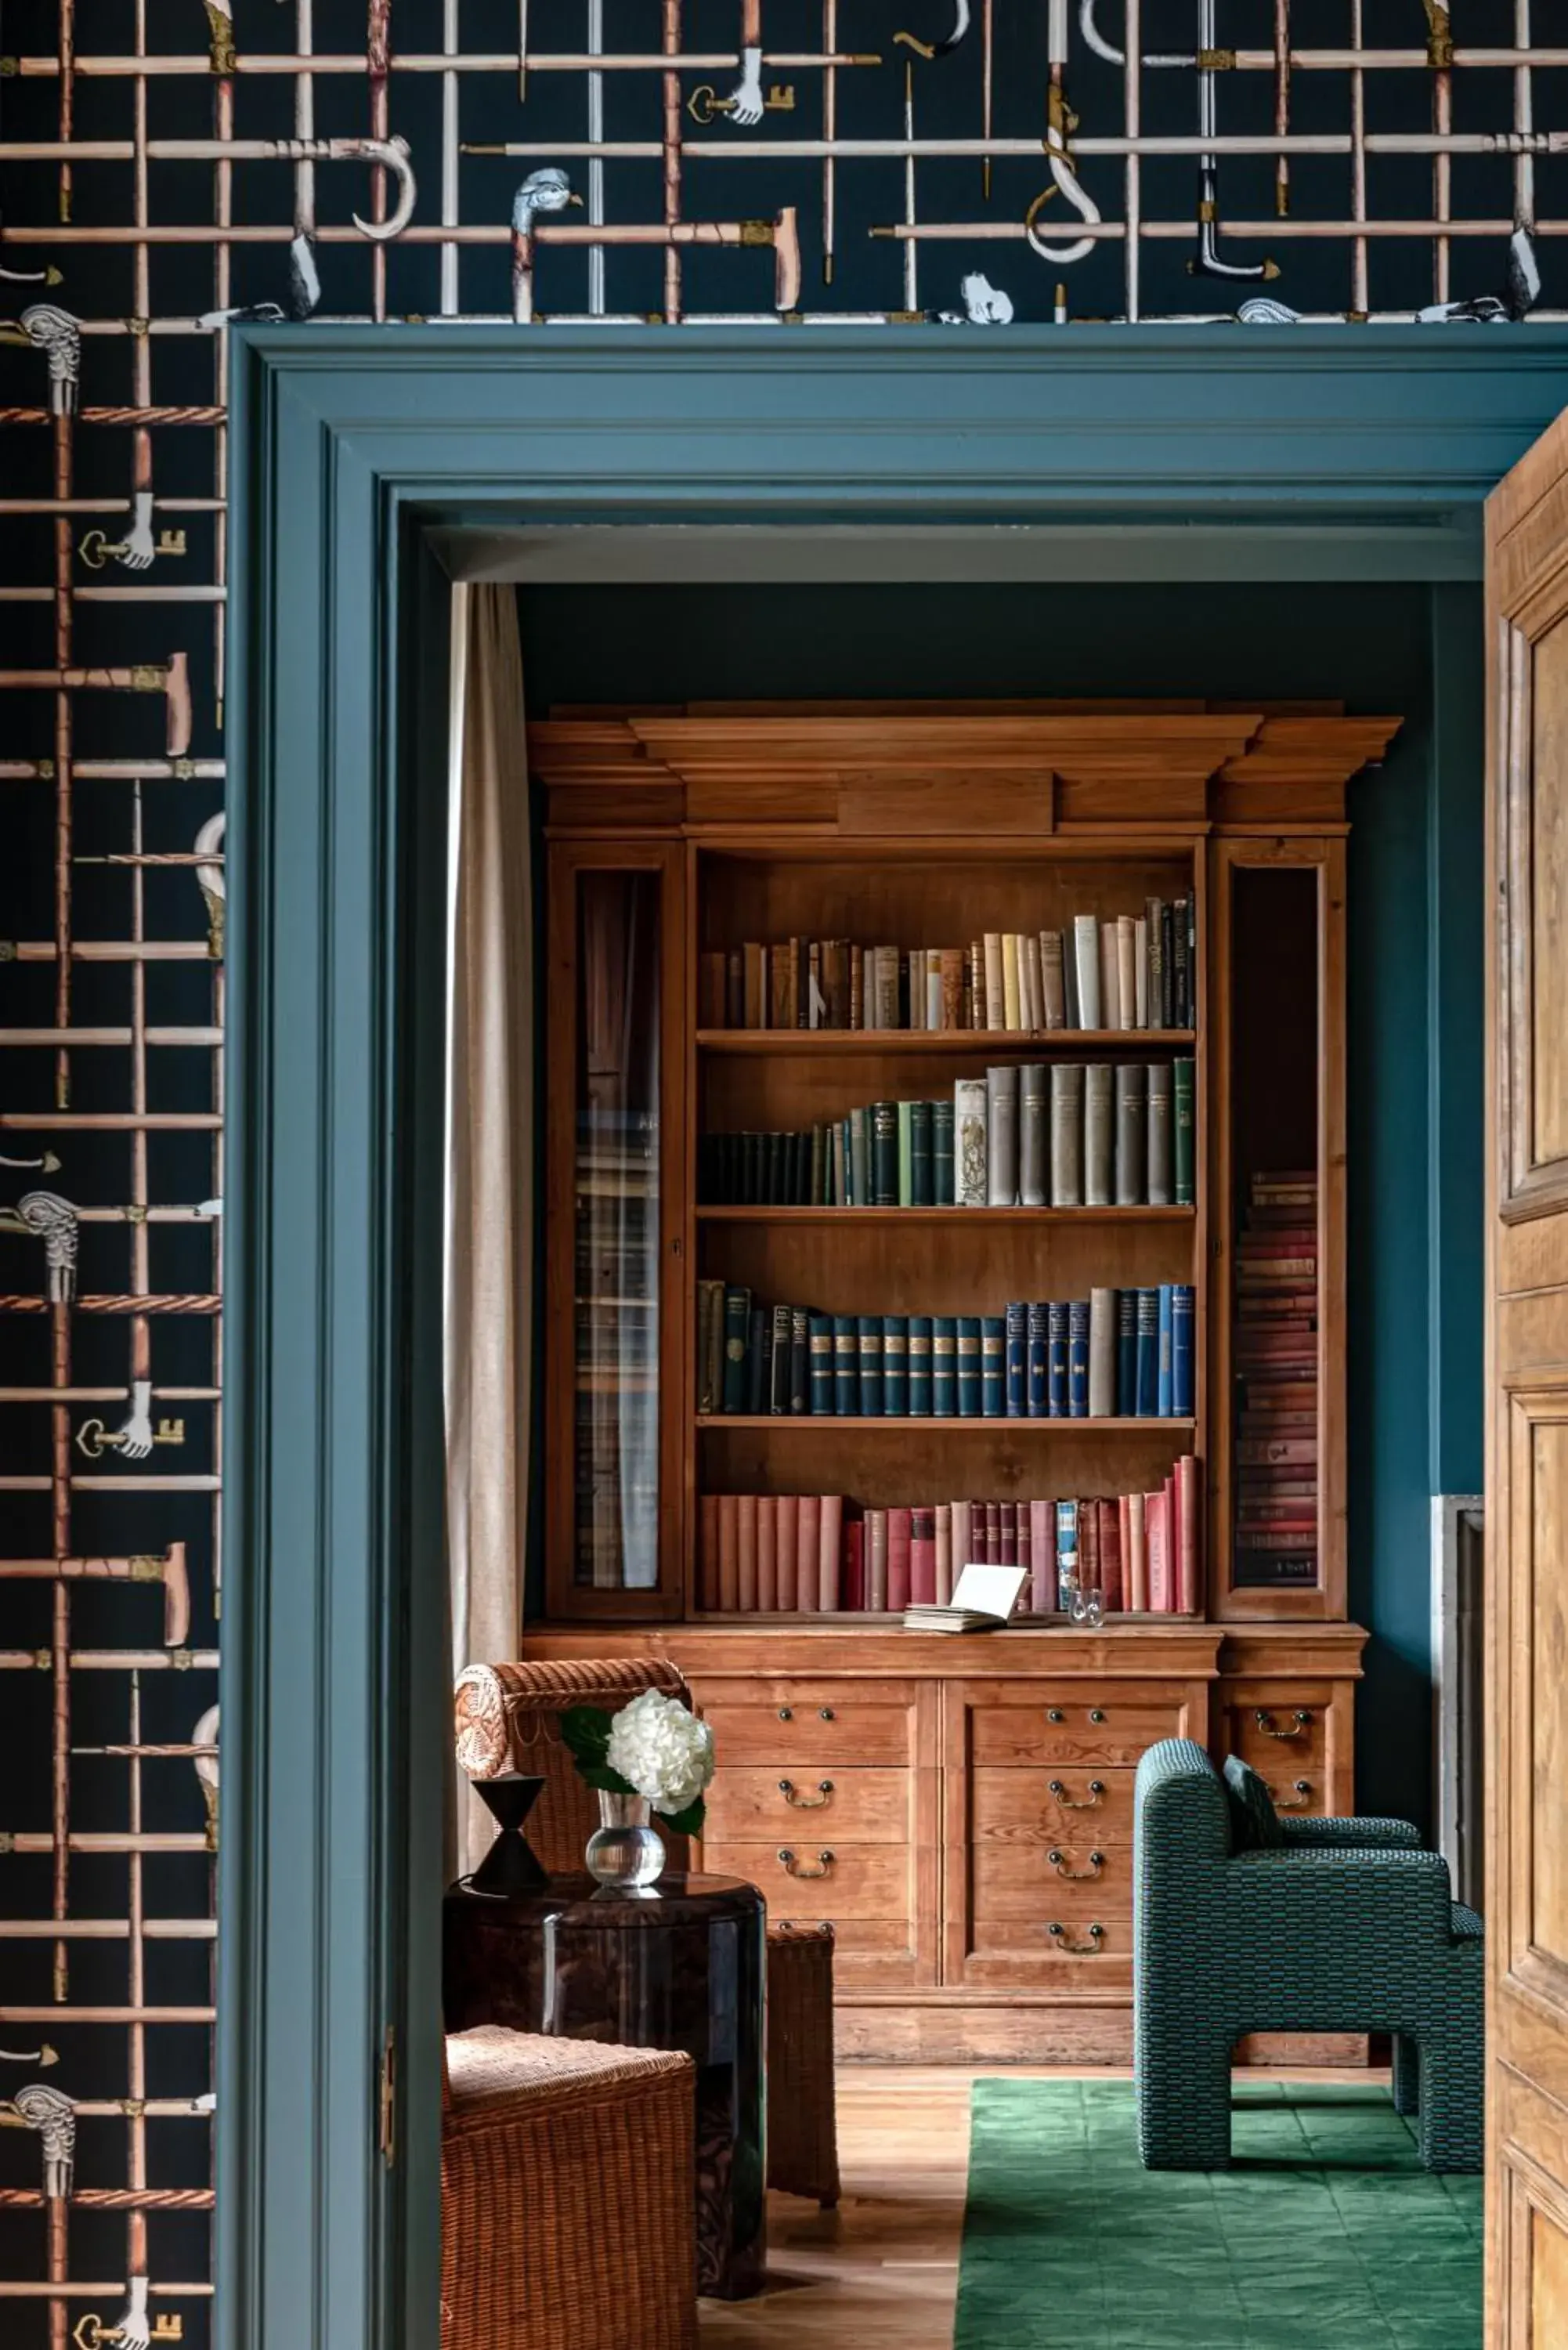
[(680, 1967)]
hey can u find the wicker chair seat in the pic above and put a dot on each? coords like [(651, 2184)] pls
[(545, 2144)]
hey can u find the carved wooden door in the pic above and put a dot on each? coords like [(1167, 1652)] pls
[(1527, 1388)]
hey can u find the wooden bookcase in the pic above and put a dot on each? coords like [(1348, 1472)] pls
[(672, 835)]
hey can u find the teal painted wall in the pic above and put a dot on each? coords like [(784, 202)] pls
[(1415, 947)]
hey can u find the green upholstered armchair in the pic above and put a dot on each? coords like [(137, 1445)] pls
[(1327, 1926)]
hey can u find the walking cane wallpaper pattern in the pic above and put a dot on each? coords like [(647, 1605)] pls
[(964, 163)]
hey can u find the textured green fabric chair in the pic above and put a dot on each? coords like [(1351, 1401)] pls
[(1346, 1925)]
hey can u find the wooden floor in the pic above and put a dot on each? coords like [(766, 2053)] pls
[(881, 2271), (883, 2268)]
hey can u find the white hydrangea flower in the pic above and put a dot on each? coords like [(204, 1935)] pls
[(662, 1749)]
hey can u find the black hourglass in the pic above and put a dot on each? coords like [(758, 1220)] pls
[(510, 1865)]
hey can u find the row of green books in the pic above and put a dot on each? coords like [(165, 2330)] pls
[(1041, 1135)]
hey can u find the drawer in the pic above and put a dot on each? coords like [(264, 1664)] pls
[(809, 1877), (747, 1802), (1276, 1723), (1277, 1736), (1031, 1809), (857, 1939), (809, 1725), (1078, 1926), (1024, 1723), (1034, 1881), (1293, 1791)]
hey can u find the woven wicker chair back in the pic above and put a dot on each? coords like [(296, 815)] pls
[(508, 1719)]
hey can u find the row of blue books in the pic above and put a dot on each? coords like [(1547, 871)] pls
[(1115, 1354)]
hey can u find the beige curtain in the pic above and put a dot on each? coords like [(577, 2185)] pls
[(489, 1158)]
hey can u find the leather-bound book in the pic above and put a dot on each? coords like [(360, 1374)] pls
[(787, 1550), (829, 1552), (746, 1553), (1067, 1134), (1102, 1354), (807, 1549), (900, 1533), (767, 1554), (729, 1552), (708, 1551)]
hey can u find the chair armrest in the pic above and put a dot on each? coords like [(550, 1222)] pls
[(1294, 1891), (1344, 1834)]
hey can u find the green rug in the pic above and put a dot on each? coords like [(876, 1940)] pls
[(1326, 2234)]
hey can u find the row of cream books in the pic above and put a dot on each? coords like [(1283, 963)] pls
[(820, 1554), (1104, 972)]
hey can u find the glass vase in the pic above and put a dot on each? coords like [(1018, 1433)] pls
[(625, 1852)]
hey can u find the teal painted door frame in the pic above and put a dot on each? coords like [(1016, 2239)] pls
[(1287, 451)]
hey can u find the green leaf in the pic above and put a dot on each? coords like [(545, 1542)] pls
[(585, 1731), (599, 1775), (685, 1822)]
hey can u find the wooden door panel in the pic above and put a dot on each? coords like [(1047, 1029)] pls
[(1548, 2278), (1541, 1563), (1527, 1415), (1547, 843)]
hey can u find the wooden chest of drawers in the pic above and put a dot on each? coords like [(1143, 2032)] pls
[(961, 1810), (826, 1797)]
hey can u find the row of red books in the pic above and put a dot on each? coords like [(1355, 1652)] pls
[(1276, 1355), (818, 1554)]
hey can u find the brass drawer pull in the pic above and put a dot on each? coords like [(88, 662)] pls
[(1302, 1801), (1058, 1861), (1079, 1949), (801, 1868), (1072, 1803), (792, 1795), (1265, 1722)]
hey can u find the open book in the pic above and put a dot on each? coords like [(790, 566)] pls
[(984, 1598)]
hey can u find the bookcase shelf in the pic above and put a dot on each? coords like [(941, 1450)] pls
[(873, 1217), (902, 1423), (998, 1044)]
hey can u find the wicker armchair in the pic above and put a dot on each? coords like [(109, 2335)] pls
[(567, 2220), (507, 1718), (1337, 1925)]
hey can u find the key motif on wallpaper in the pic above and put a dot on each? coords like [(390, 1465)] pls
[(91, 2332)]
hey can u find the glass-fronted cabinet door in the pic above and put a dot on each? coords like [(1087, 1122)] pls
[(1278, 1462), (613, 1021)]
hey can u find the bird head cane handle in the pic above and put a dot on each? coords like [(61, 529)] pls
[(786, 260), (177, 687), (176, 1597)]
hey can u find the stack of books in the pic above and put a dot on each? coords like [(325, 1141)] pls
[(1276, 1374), (1040, 1134), (1117, 1353), (1113, 971), (819, 1554)]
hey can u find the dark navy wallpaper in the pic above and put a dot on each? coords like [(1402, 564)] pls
[(972, 162)]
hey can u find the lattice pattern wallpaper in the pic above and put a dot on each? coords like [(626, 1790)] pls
[(969, 162)]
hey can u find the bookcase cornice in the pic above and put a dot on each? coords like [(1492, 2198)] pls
[(932, 773)]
